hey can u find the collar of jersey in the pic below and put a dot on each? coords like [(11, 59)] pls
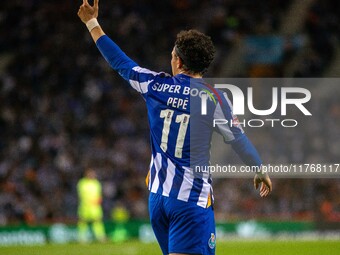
[(187, 77)]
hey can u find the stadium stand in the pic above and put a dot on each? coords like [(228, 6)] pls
[(62, 109)]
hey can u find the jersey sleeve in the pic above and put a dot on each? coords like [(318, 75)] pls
[(246, 151), (138, 77), (233, 133), (226, 122)]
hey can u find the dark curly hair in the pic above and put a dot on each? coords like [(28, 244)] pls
[(195, 49)]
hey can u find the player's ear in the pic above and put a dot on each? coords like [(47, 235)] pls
[(179, 63)]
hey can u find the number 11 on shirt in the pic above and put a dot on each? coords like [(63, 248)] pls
[(183, 119)]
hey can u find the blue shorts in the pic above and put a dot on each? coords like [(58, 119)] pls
[(182, 227)]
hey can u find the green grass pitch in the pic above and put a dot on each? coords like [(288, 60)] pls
[(137, 248)]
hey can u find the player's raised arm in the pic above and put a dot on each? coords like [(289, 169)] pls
[(110, 51), (137, 77), (88, 15)]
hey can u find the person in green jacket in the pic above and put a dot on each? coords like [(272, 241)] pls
[(90, 210)]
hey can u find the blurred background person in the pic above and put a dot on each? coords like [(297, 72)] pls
[(90, 210)]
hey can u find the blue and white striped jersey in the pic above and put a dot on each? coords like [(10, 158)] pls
[(180, 135)]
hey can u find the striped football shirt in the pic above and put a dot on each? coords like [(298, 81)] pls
[(180, 135)]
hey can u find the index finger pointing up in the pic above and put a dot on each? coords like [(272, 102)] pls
[(85, 2), (96, 2)]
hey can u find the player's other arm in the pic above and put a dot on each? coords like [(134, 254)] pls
[(240, 143), (249, 155)]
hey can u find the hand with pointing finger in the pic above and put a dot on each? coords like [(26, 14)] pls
[(87, 12)]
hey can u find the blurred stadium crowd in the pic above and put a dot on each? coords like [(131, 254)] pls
[(62, 109)]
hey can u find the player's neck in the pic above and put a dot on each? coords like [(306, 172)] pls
[(192, 75)]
